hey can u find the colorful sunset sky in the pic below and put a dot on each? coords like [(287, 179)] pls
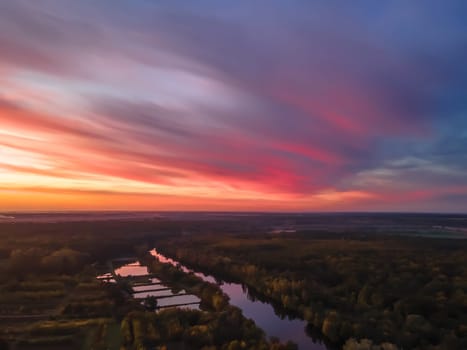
[(233, 105)]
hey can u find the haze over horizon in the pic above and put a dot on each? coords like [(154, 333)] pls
[(227, 106)]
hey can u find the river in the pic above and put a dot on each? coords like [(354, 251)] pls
[(262, 313)]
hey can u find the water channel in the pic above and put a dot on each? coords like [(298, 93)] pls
[(262, 313)]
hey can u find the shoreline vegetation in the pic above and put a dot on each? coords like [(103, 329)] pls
[(49, 288), (355, 290), (399, 293)]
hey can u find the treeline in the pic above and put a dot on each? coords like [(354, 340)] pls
[(225, 330), (49, 294), (39, 260), (386, 291), (218, 326), (212, 297), (69, 247)]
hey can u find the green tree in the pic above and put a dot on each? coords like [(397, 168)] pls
[(331, 325)]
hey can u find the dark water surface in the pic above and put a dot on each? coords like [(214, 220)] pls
[(262, 313)]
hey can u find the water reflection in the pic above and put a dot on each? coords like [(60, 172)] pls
[(166, 297), (166, 260), (178, 300), (132, 269), (155, 293), (150, 287), (261, 312)]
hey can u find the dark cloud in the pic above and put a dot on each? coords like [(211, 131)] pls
[(291, 97)]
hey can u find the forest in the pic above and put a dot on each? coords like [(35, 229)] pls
[(50, 297), (354, 289), (408, 291)]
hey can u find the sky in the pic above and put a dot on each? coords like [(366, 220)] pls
[(233, 105)]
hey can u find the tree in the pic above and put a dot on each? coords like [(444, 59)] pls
[(219, 302), (150, 303), (331, 325), (64, 260), (3, 345)]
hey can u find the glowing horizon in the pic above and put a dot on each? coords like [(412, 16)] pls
[(210, 106)]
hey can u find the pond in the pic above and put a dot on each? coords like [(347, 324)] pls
[(131, 269), (262, 313), (153, 287), (186, 300), (155, 293)]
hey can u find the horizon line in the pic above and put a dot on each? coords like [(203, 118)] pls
[(83, 211)]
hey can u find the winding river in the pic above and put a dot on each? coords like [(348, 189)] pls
[(262, 313)]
